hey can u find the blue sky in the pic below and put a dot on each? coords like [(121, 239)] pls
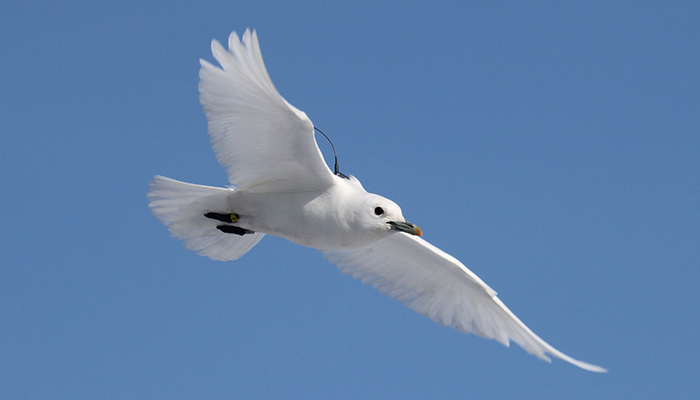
[(551, 146)]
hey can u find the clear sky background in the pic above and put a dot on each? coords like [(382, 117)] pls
[(551, 146)]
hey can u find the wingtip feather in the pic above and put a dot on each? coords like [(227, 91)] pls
[(233, 38)]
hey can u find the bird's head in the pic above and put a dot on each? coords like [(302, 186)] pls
[(385, 215)]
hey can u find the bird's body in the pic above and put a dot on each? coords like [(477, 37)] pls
[(282, 187), (326, 219)]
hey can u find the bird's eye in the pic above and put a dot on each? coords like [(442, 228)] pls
[(379, 211)]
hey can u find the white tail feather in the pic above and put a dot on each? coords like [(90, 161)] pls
[(181, 207)]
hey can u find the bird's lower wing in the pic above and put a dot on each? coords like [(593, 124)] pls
[(265, 143), (436, 285)]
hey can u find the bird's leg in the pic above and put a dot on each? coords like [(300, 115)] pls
[(234, 230), (228, 218)]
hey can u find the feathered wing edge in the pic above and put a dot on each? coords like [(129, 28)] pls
[(436, 285), (250, 123), (249, 62)]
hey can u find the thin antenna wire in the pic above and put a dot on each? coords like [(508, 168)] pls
[(335, 156)]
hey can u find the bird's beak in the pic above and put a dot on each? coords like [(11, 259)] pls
[(406, 227)]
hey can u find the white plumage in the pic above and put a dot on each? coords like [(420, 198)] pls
[(283, 187), (260, 138)]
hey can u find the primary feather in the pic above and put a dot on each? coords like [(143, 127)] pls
[(265, 143), (436, 285)]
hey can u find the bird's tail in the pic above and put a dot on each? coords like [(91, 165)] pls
[(181, 207)]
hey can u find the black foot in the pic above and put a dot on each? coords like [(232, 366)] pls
[(231, 217), (234, 230)]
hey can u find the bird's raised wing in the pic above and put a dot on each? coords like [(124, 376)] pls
[(265, 143), (436, 285)]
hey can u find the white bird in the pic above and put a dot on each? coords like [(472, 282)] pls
[(282, 186)]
